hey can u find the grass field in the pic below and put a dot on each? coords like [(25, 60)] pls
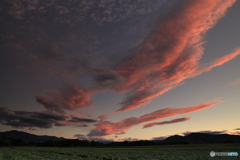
[(163, 152)]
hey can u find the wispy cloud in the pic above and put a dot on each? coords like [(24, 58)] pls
[(171, 53), (89, 138), (80, 120), (236, 82), (224, 59), (103, 117), (160, 138), (166, 122), (207, 131), (237, 133), (129, 139), (141, 98), (167, 57), (107, 128)]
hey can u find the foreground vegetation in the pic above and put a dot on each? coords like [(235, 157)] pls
[(156, 152)]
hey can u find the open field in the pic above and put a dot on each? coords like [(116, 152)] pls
[(163, 152)]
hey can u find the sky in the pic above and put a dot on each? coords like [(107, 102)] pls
[(120, 69)]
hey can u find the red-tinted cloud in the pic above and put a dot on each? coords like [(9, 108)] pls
[(168, 56), (69, 98), (49, 105), (141, 98), (106, 128), (103, 117), (166, 122), (224, 59), (171, 53)]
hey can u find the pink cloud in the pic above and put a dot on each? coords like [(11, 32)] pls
[(171, 53), (236, 82), (107, 128), (168, 56), (166, 122), (141, 98), (224, 59), (103, 117), (49, 105), (69, 98)]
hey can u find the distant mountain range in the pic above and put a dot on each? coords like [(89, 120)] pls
[(204, 138), (27, 137), (191, 138)]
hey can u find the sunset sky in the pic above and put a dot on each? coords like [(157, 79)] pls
[(120, 69)]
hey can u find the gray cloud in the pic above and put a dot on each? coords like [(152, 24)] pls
[(130, 139), (83, 125), (207, 131), (90, 138), (80, 120), (30, 119), (82, 137), (107, 78), (43, 115), (160, 138), (59, 124), (177, 120)]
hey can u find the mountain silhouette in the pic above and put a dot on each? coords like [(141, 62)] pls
[(27, 137), (203, 138), (190, 138)]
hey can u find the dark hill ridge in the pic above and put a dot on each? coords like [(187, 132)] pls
[(175, 138), (192, 138), (27, 137), (204, 138)]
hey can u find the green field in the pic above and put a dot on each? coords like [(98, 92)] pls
[(162, 152)]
